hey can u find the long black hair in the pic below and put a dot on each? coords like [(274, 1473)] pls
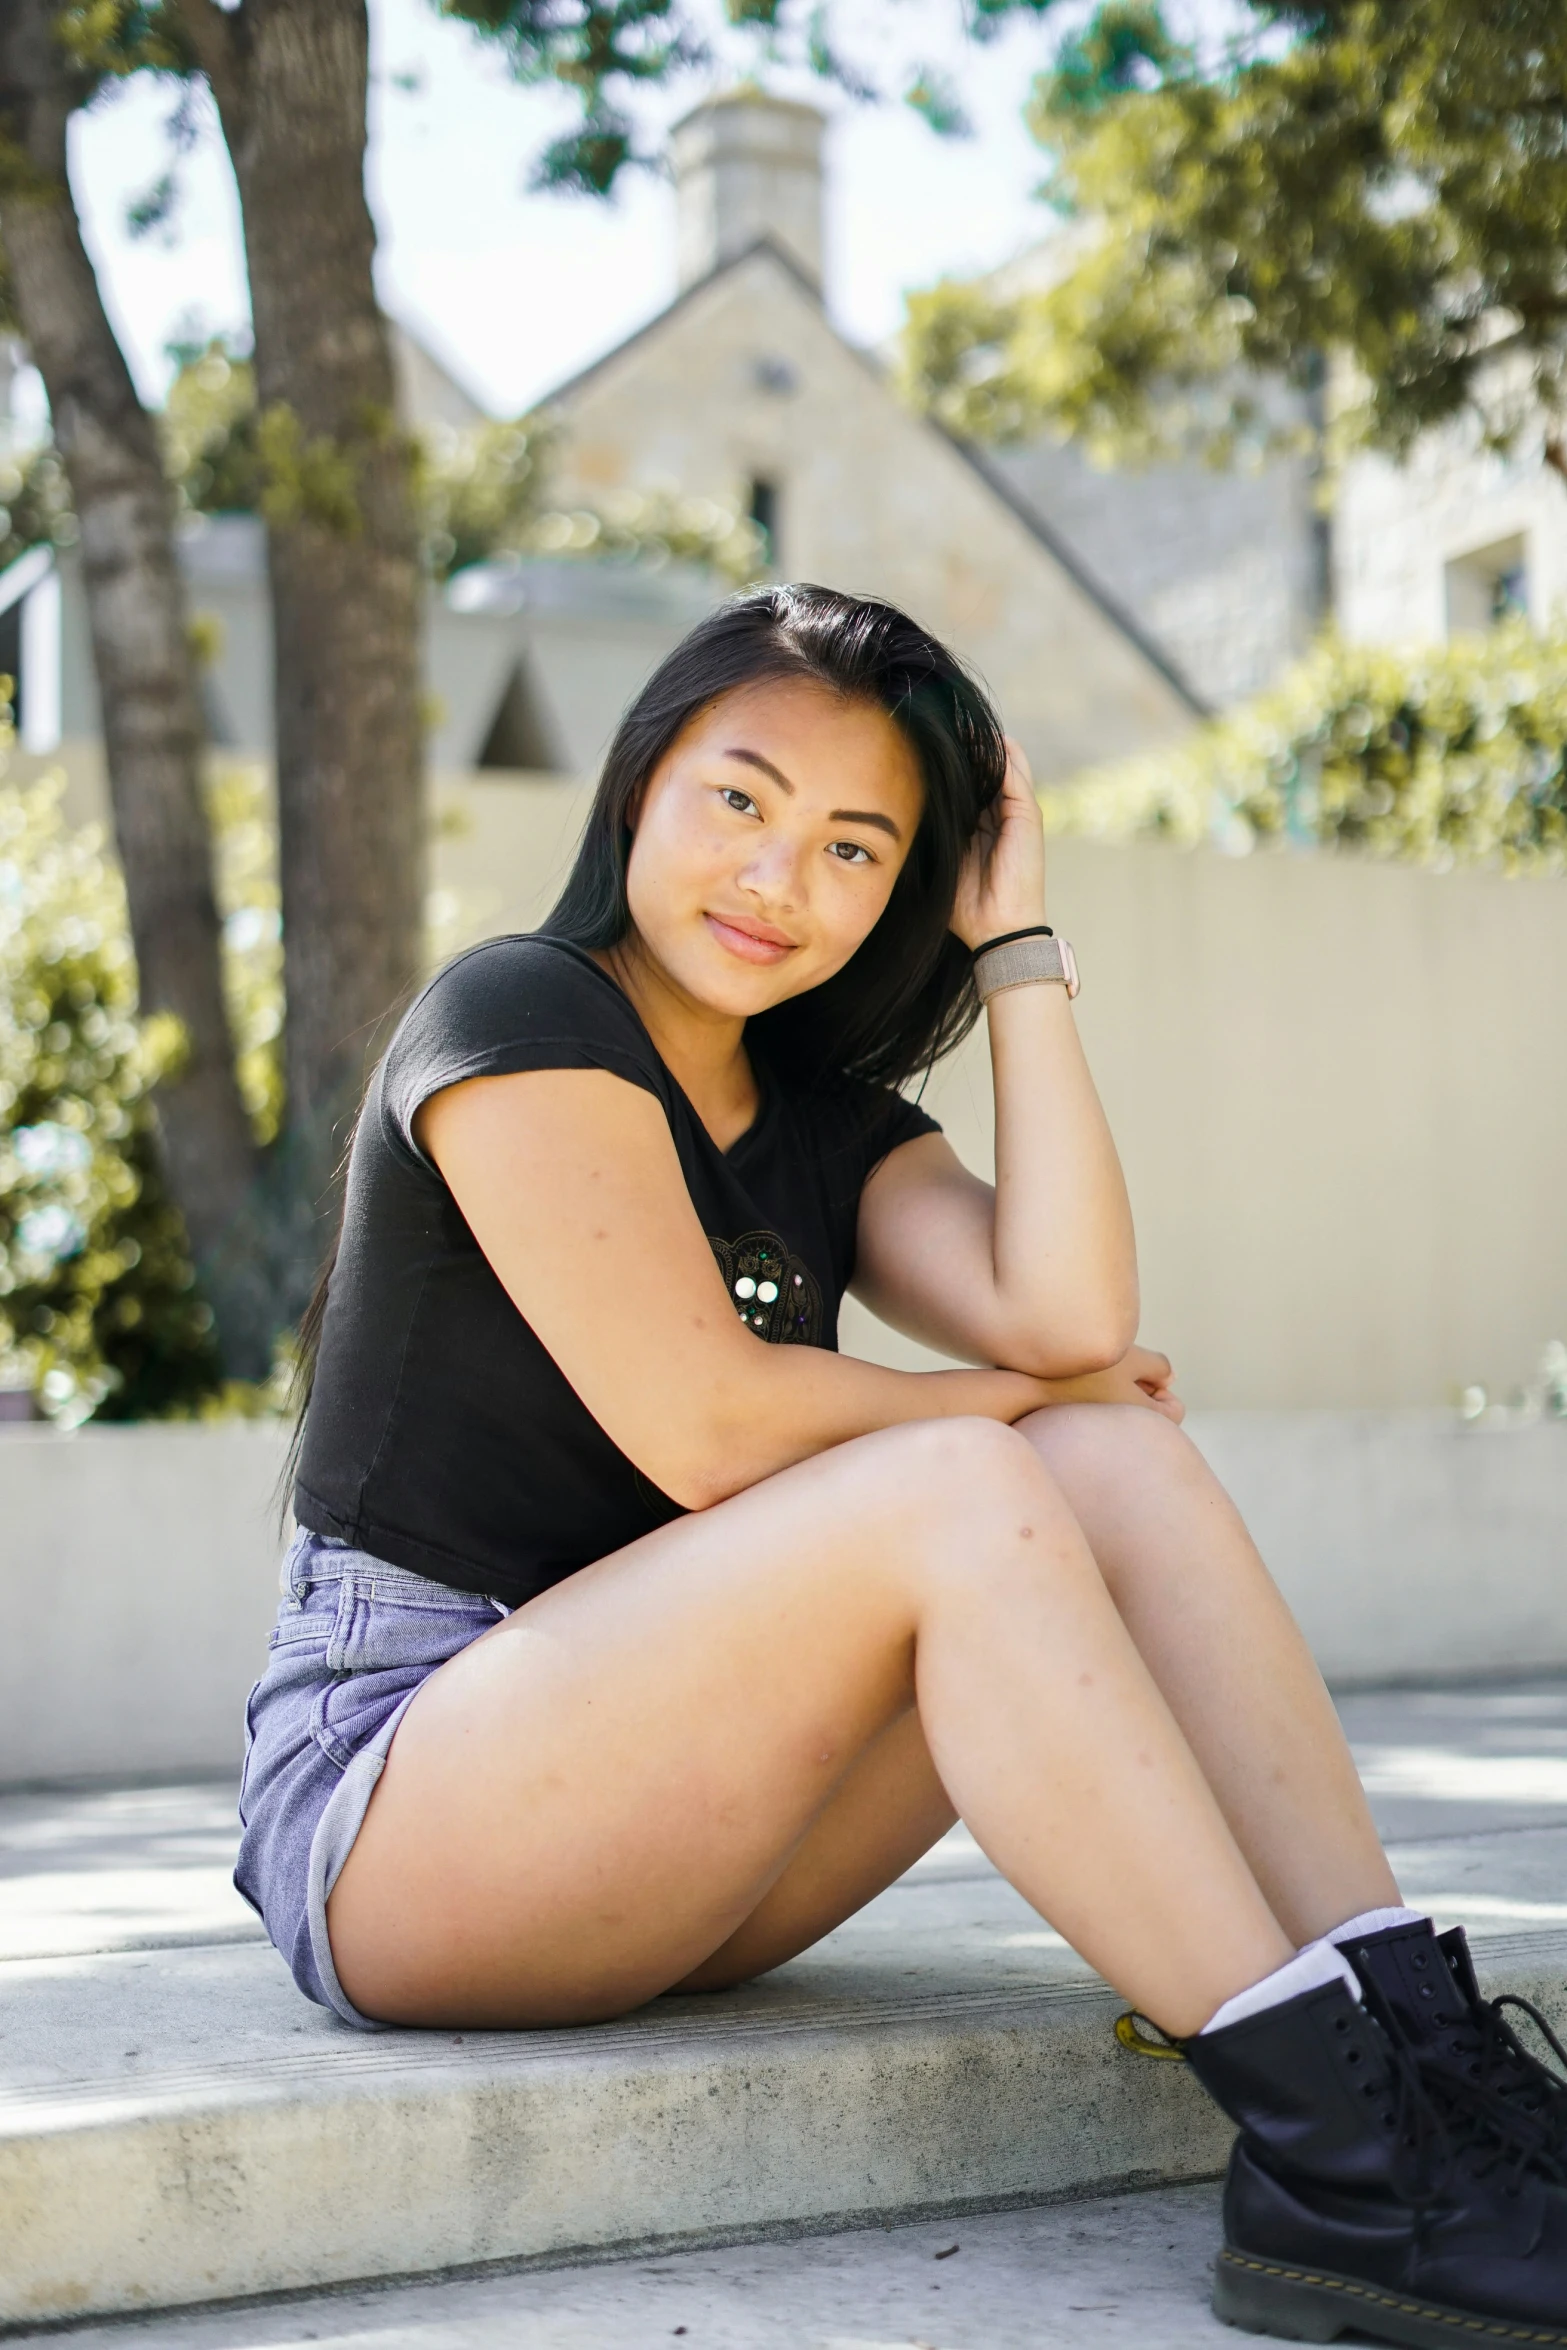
[(906, 996)]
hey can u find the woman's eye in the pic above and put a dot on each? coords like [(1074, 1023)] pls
[(741, 801), (849, 852)]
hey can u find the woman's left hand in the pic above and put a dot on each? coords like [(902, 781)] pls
[(1002, 883), (1142, 1376)]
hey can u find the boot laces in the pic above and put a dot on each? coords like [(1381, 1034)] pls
[(1446, 2120), (1481, 2038), (1506, 2063)]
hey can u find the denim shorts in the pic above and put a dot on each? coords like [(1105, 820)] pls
[(354, 1639)]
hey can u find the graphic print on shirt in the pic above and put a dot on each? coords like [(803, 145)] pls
[(773, 1292)]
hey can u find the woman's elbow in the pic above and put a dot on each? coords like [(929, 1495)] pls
[(703, 1473), (698, 1486), (719, 1439), (1075, 1346)]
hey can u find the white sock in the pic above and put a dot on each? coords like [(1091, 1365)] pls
[(1375, 1921), (1308, 1970)]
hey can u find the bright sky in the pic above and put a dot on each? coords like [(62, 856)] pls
[(516, 290)]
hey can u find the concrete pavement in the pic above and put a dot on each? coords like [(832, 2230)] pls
[(1122, 2273)]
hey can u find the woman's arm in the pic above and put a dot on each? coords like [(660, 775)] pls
[(1040, 1272), (570, 1183)]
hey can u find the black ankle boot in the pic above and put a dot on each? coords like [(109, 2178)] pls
[(1368, 2193), (1428, 1982)]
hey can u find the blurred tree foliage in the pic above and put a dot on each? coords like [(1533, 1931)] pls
[(1452, 755), (1374, 179), (245, 859), (98, 1305), (481, 493), (609, 50), (35, 504)]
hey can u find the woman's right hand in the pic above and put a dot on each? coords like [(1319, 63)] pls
[(1142, 1376)]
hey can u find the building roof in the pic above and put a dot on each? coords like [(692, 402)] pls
[(1018, 508)]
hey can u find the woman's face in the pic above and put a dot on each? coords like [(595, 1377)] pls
[(768, 842)]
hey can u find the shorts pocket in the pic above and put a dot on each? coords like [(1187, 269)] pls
[(390, 1632)]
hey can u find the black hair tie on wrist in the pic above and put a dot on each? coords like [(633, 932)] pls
[(1034, 930)]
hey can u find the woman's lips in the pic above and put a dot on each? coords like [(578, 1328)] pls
[(745, 943)]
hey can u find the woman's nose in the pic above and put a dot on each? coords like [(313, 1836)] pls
[(772, 871)]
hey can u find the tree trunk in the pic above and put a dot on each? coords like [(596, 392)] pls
[(145, 668), (290, 78)]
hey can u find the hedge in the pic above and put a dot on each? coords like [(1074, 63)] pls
[(1442, 755)]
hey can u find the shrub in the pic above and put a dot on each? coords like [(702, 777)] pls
[(483, 492), (1451, 754), (99, 1310)]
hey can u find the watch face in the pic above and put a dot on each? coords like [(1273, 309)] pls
[(1069, 966)]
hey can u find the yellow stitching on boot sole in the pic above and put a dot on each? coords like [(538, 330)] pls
[(1425, 2309)]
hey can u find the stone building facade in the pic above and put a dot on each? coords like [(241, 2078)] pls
[(743, 389)]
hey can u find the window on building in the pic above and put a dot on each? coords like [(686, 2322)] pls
[(1486, 585), (764, 513)]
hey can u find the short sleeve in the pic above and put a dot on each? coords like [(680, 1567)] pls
[(855, 1126), (895, 1120), (509, 1005)]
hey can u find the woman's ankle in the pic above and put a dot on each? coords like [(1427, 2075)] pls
[(1308, 1970)]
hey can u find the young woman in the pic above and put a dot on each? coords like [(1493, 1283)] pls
[(634, 1638)]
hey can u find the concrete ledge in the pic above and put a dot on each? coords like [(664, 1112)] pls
[(1407, 1544), (138, 1582), (328, 2159), (320, 2159)]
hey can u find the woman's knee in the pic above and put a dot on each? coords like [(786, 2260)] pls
[(1113, 1437), (957, 1470), (977, 1498)]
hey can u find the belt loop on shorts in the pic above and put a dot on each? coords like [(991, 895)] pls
[(289, 1580)]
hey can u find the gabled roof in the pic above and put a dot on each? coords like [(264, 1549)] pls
[(683, 299), (1056, 547), (1071, 563)]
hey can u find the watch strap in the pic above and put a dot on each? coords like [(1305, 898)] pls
[(1024, 962)]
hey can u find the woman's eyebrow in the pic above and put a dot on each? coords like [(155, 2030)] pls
[(839, 815), (755, 759)]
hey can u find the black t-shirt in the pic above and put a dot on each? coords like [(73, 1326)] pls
[(441, 1433)]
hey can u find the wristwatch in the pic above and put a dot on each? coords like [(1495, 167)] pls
[(1023, 958)]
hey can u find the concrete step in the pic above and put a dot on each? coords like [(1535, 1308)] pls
[(299, 2159), (178, 2126)]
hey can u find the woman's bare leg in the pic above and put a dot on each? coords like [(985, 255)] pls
[(1227, 1655), (886, 1810), (587, 1803)]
